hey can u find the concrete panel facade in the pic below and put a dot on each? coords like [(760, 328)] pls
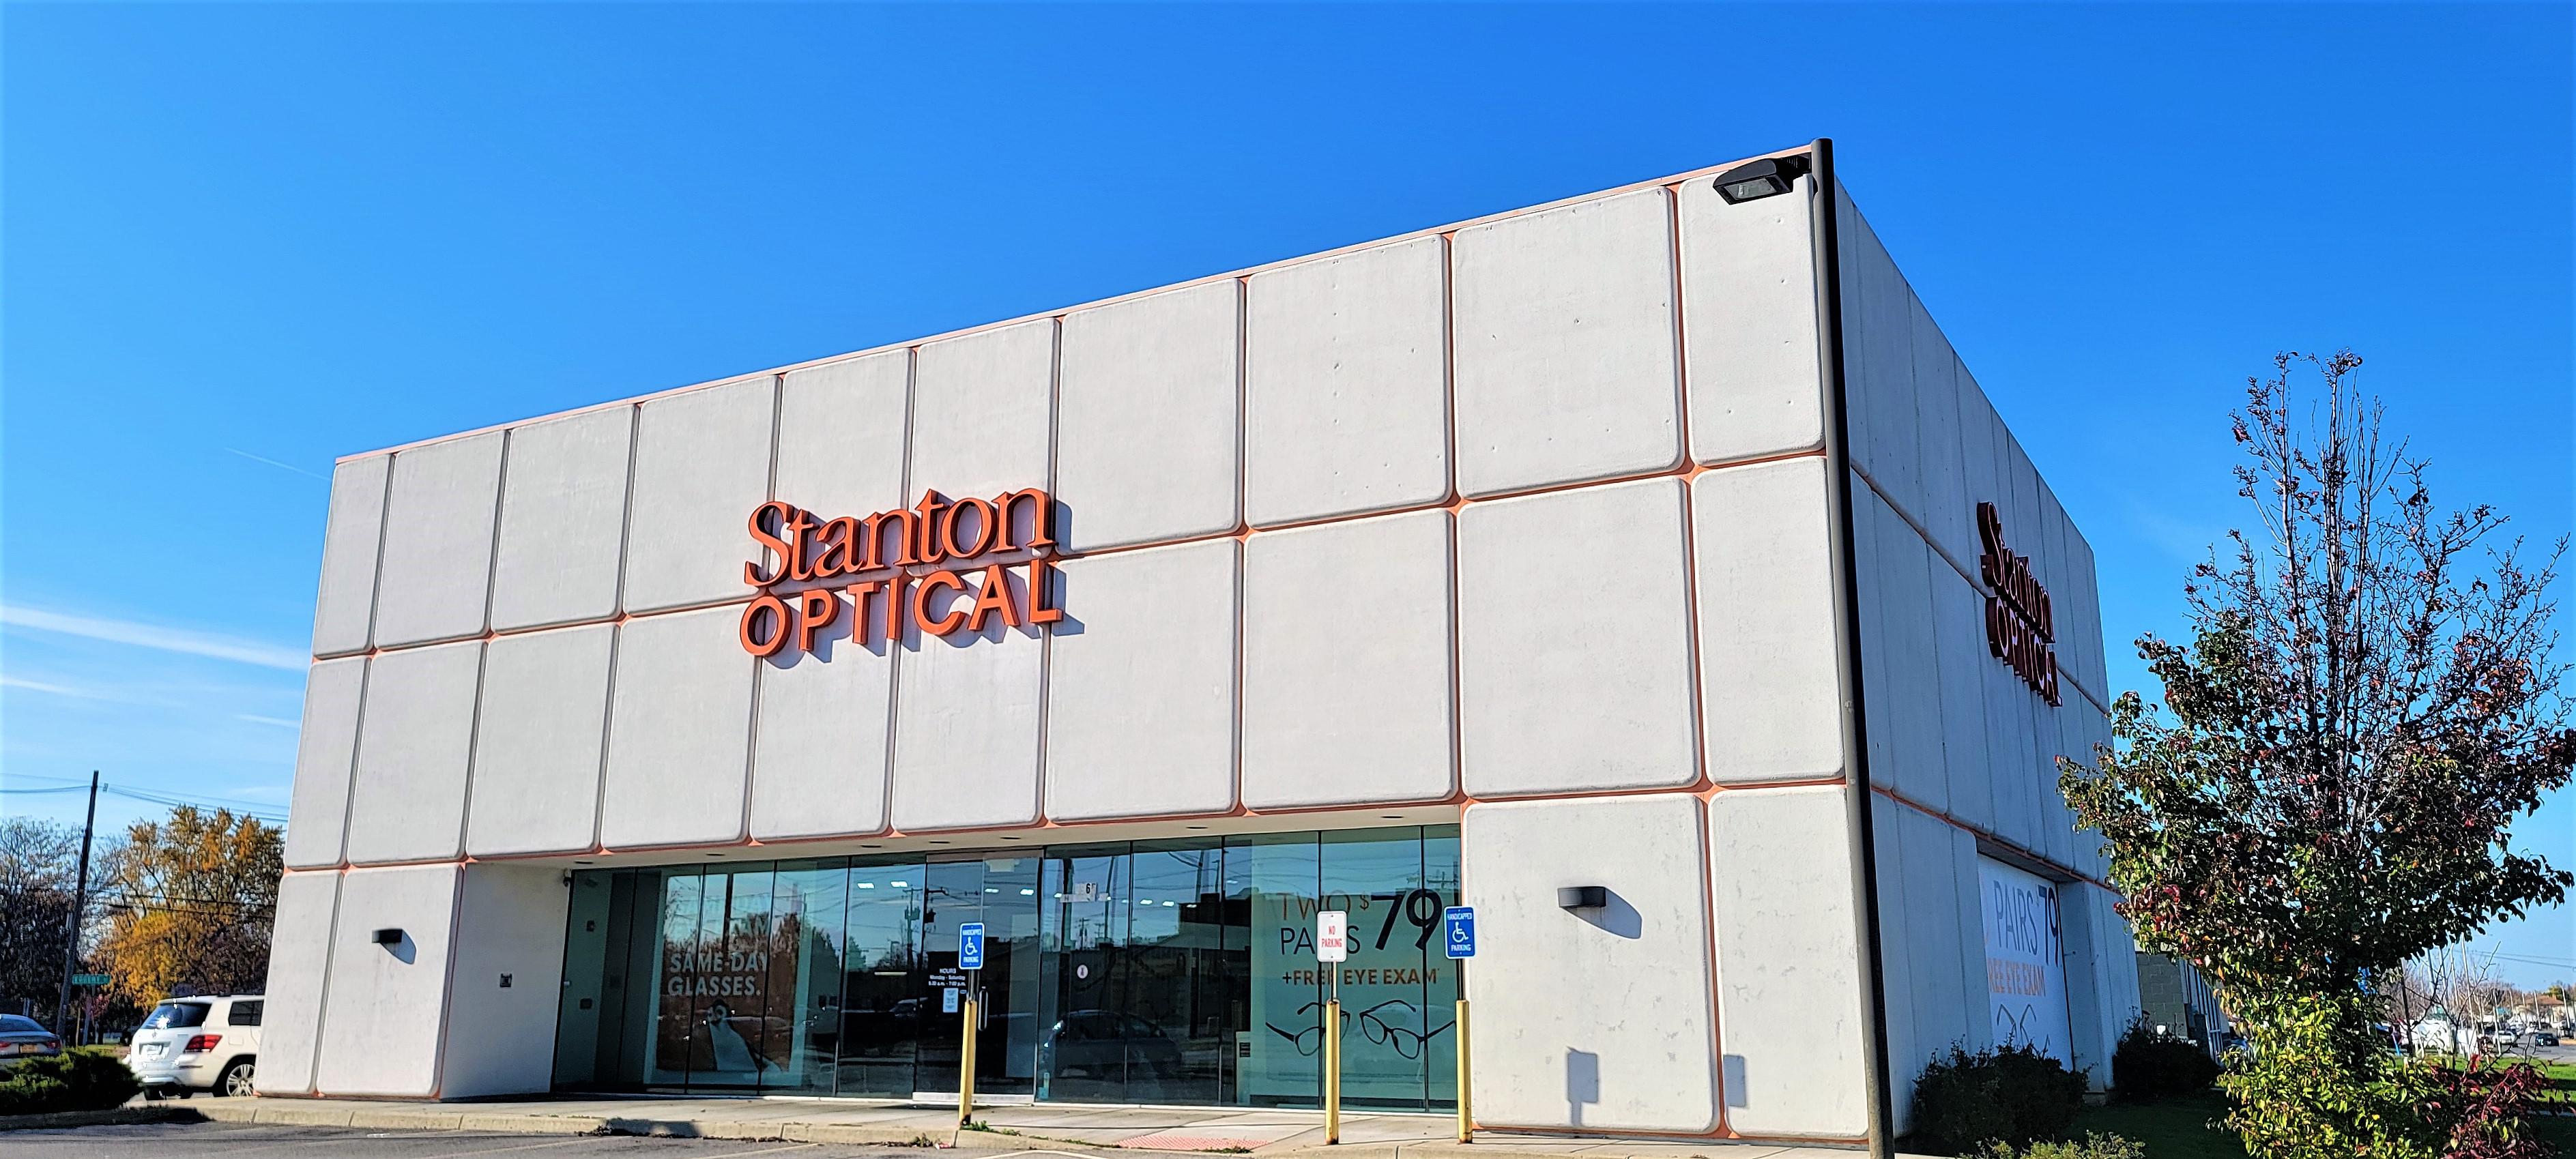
[(1148, 428), (1749, 292), (1522, 523), (679, 733), (983, 411), (386, 1002), (563, 520), (1347, 674), (507, 979), (701, 465), (299, 963), (1788, 982), (1574, 677), (344, 606), (819, 755), (1592, 1019), (1566, 364), (326, 753), (966, 729), (436, 581), (1147, 681), (1771, 692), (841, 433), (1969, 748), (1934, 960), (407, 801), (1346, 387), (538, 742)]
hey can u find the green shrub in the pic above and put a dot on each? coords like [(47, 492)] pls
[(2094, 1145), (2014, 1094), (2149, 1066), (84, 1078)]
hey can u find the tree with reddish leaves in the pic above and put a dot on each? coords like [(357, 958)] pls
[(2366, 705)]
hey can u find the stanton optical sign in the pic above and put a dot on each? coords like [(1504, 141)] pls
[(2021, 631), (985, 539)]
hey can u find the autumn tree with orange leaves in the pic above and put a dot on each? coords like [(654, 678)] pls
[(189, 903)]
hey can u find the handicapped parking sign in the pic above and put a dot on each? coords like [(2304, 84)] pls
[(1458, 930), (970, 946)]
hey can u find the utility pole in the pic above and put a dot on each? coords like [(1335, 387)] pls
[(72, 924)]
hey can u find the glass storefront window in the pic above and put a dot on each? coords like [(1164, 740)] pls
[(883, 981), (1385, 983), (808, 905), (1147, 972), (1442, 983), (1082, 1039), (1136, 998), (674, 987), (1271, 881), (1176, 977)]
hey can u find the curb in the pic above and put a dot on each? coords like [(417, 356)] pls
[(453, 1117), (111, 1117)]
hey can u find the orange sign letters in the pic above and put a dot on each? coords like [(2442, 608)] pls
[(2021, 629), (918, 560)]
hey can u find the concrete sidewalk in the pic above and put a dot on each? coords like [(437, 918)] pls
[(1084, 1130)]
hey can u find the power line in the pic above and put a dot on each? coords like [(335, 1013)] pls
[(239, 807), (238, 810)]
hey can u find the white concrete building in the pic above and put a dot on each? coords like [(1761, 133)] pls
[(1652, 540)]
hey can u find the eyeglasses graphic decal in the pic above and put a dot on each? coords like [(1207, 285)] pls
[(1378, 1024)]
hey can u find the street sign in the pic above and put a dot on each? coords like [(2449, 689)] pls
[(1458, 929), (1332, 936), (970, 946), (89, 979)]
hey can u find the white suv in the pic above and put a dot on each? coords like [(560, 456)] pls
[(197, 1044)]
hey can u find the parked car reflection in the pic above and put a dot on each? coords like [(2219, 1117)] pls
[(1108, 1046)]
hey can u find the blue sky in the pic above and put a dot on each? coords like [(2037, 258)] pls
[(241, 241)]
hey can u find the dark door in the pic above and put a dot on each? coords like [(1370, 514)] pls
[(1000, 892), (885, 975)]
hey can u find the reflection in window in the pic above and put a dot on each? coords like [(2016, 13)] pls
[(1156, 972)]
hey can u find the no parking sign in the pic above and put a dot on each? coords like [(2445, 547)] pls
[(1332, 936)]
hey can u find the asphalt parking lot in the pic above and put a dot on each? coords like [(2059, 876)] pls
[(255, 1141)]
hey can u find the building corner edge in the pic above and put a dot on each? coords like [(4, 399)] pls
[(1829, 331)]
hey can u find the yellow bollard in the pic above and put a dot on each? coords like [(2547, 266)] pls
[(1333, 1071), (1466, 1116), (966, 1065)]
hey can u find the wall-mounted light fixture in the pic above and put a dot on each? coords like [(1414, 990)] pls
[(1758, 179), (389, 936), (1582, 897)]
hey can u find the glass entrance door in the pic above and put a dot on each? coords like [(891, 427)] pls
[(886, 973), (1000, 892)]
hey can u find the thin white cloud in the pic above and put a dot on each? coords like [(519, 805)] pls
[(278, 721), (256, 795), (56, 689), (278, 465), (2182, 540), (155, 636)]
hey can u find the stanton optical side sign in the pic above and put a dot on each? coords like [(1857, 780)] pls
[(2021, 629), (986, 539)]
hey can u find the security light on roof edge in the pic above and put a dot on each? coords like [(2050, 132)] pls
[(1758, 179)]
